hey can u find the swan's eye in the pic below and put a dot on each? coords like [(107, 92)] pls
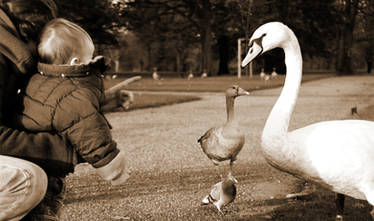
[(250, 51)]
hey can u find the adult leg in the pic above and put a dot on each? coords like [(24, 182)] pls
[(49, 208), (22, 186)]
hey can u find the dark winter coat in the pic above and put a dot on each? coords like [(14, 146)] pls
[(47, 150), (66, 99)]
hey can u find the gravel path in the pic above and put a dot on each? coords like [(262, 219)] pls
[(170, 173)]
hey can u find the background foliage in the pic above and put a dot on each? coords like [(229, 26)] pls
[(201, 36)]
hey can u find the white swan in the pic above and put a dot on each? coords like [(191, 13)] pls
[(338, 154)]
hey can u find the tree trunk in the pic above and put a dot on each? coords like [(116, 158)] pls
[(346, 61), (206, 44), (150, 60), (247, 28), (178, 63), (178, 57), (206, 36), (223, 50), (345, 41)]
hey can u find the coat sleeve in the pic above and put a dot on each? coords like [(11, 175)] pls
[(77, 117), (48, 151), (16, 51), (51, 152)]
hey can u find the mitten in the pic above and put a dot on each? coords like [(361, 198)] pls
[(116, 171)]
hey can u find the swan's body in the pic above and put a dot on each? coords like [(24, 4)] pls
[(338, 155), (226, 141), (326, 153)]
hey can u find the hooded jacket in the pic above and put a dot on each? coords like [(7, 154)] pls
[(66, 99), (47, 150)]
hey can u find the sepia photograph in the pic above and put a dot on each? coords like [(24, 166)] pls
[(181, 110)]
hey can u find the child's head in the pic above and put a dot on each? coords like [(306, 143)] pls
[(63, 42)]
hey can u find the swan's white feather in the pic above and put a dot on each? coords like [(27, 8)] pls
[(336, 154)]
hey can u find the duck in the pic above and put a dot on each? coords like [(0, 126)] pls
[(274, 74), (222, 193), (190, 76), (263, 75), (336, 154), (224, 142), (156, 76)]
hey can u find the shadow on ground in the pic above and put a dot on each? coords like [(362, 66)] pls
[(177, 195)]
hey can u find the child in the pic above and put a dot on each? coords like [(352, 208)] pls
[(66, 95)]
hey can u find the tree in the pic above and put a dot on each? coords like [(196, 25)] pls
[(158, 25), (100, 18), (196, 17), (348, 10), (365, 32)]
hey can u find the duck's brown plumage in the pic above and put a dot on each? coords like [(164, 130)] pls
[(219, 145), (226, 141)]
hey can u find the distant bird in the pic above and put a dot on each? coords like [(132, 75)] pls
[(204, 75), (226, 141), (354, 111), (336, 154), (155, 76), (222, 193), (274, 74), (114, 76), (263, 75), (190, 76)]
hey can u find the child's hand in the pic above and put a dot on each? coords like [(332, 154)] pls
[(115, 171), (101, 62), (124, 98), (121, 98)]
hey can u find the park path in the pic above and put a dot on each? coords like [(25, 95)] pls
[(171, 174)]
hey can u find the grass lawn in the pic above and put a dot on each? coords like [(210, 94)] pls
[(142, 99)]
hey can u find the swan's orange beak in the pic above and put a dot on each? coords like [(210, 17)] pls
[(253, 52)]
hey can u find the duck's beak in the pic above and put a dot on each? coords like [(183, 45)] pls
[(253, 52), (241, 92)]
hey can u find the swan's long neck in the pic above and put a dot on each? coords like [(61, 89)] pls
[(230, 109), (276, 127)]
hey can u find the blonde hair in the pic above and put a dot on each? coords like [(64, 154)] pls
[(62, 40)]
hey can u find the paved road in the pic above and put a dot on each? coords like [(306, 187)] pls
[(170, 173)]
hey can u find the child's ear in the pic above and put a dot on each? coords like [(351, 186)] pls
[(74, 61)]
